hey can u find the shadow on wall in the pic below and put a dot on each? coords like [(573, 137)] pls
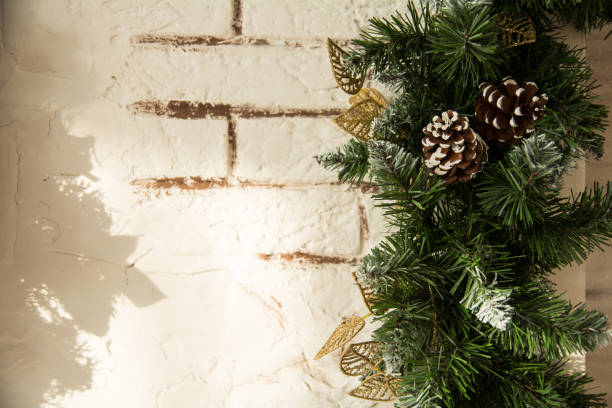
[(66, 271)]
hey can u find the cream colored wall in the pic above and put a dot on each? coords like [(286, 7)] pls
[(149, 260)]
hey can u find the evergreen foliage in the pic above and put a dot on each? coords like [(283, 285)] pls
[(351, 161), (585, 15), (464, 36), (467, 315)]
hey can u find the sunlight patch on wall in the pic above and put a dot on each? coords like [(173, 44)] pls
[(48, 306)]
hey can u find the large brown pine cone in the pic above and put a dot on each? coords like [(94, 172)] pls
[(506, 112), (451, 149)]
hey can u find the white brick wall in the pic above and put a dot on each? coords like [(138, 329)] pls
[(313, 18), (154, 261), (151, 260), (280, 150), (136, 146), (314, 220), (266, 74)]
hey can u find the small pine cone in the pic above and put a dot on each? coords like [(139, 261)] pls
[(506, 112), (452, 149)]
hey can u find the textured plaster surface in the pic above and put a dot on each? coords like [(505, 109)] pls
[(215, 287), (153, 261)]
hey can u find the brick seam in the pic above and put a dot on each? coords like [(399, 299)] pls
[(237, 17), (304, 257), (195, 42), (180, 109), (200, 183)]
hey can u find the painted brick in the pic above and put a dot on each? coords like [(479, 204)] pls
[(250, 220), (282, 150), (133, 146), (269, 77), (97, 20), (196, 148), (117, 296), (312, 18), (83, 32), (377, 225), (249, 337)]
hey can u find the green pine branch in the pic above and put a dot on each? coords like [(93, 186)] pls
[(406, 184), (535, 383), (520, 190), (573, 228), (393, 43), (546, 326), (584, 15), (575, 119), (396, 264), (466, 315), (465, 40), (350, 160)]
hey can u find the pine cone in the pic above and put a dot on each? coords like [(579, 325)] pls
[(452, 149), (506, 113)]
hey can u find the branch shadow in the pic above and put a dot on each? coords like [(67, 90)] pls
[(67, 270)]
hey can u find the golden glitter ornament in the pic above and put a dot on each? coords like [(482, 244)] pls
[(361, 358), (368, 94), (367, 294), (342, 335), (394, 384), (367, 105), (344, 78), (374, 388), (516, 29)]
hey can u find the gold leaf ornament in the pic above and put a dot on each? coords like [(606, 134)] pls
[(342, 335), (367, 293), (516, 29), (344, 78), (367, 105), (395, 384), (369, 94), (374, 388), (361, 358)]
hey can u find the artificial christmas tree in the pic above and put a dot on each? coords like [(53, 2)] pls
[(467, 315)]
